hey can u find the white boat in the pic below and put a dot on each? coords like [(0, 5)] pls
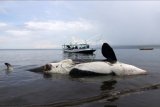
[(78, 48)]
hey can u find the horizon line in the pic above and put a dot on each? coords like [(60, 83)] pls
[(114, 46)]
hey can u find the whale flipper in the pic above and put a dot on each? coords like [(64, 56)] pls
[(108, 53)]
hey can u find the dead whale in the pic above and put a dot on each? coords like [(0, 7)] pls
[(106, 67)]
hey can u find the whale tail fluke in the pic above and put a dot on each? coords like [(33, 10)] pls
[(9, 66), (108, 53)]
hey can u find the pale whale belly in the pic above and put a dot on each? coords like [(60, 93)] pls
[(91, 69), (106, 68)]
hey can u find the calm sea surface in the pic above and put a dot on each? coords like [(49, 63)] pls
[(21, 87)]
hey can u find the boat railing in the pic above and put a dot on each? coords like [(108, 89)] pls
[(79, 46)]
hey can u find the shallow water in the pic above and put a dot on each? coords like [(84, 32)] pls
[(21, 87)]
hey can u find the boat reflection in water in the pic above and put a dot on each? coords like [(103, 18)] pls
[(79, 57)]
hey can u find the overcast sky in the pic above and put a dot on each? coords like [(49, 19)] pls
[(49, 24)]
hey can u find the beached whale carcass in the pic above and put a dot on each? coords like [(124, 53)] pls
[(108, 66)]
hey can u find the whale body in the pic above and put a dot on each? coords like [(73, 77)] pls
[(93, 68), (106, 67), (101, 68)]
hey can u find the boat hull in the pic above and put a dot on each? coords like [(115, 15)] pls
[(86, 51)]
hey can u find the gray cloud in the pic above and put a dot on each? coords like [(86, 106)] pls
[(123, 22), (55, 23)]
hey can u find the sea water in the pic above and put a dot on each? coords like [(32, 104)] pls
[(22, 87)]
